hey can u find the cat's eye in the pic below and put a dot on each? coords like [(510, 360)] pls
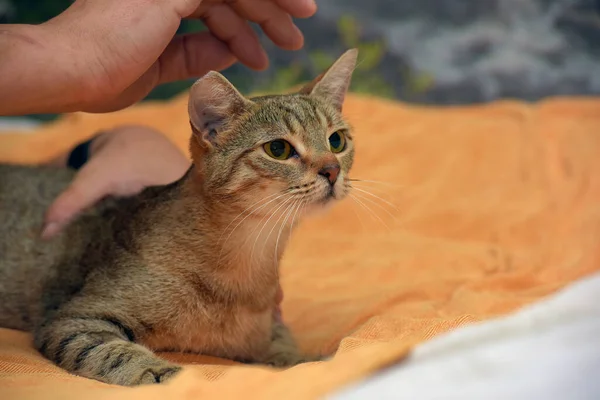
[(279, 149), (337, 142)]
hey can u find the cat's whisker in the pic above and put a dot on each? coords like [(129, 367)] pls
[(298, 211), (239, 223), (265, 224), (301, 205), (265, 218), (355, 200), (378, 189), (285, 214), (246, 209), (358, 216), (375, 196), (381, 191), (365, 198), (369, 210), (257, 208), (376, 182), (283, 224)]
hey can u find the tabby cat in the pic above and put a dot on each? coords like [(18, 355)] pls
[(191, 266)]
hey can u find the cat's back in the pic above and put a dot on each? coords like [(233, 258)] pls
[(25, 190), (25, 194)]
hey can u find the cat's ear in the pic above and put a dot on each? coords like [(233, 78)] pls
[(333, 84), (213, 104)]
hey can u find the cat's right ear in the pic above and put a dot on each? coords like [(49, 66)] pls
[(213, 104), (332, 85)]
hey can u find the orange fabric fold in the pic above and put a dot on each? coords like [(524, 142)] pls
[(482, 210)]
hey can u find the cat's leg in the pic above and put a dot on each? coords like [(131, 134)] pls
[(283, 351), (101, 349)]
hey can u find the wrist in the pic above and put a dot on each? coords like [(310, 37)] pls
[(79, 155), (98, 141)]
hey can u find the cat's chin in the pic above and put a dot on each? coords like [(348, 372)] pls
[(321, 206), (315, 210)]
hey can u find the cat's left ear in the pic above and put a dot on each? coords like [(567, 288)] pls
[(333, 84), (213, 104)]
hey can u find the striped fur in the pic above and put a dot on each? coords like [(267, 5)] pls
[(191, 266)]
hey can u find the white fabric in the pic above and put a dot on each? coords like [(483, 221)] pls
[(549, 351), (15, 124)]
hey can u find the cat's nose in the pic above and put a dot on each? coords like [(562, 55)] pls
[(330, 172)]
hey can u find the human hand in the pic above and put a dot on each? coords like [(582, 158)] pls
[(122, 162), (121, 50)]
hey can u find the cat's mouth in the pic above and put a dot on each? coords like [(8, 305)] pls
[(331, 194), (323, 196), (321, 204), (328, 197)]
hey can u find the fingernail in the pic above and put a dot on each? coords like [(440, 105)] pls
[(50, 230)]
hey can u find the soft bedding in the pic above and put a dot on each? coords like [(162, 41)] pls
[(477, 212)]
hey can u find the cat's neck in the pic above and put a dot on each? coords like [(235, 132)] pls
[(244, 237), (213, 237)]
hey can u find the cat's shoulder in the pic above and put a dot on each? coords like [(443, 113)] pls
[(35, 176)]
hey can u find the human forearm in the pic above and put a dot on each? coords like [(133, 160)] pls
[(36, 71), (104, 55), (118, 162)]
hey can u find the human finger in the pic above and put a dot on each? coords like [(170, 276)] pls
[(295, 8), (232, 29), (274, 21), (298, 8)]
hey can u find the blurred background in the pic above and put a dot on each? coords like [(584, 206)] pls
[(426, 51)]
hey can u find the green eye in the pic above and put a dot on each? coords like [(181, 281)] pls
[(337, 142), (279, 149)]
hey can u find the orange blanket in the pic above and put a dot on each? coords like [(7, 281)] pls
[(496, 207)]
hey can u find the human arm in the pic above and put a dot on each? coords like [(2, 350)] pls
[(101, 56), (122, 162)]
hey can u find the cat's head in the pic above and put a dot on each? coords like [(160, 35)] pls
[(296, 146)]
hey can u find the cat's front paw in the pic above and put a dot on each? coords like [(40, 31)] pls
[(145, 372), (156, 375), (282, 360), (283, 351), (284, 356)]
